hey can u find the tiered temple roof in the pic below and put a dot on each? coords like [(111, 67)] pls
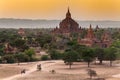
[(68, 25), (90, 39)]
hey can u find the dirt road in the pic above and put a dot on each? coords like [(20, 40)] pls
[(44, 64)]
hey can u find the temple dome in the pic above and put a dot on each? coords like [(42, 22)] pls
[(68, 24)]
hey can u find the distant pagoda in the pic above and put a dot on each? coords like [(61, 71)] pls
[(91, 40), (21, 32)]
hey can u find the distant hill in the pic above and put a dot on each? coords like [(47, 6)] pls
[(28, 23)]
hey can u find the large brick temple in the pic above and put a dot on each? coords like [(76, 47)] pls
[(68, 26)]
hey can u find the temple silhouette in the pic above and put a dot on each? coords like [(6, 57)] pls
[(68, 26)]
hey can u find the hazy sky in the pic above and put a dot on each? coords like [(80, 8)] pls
[(56, 9)]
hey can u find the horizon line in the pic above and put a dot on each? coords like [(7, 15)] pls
[(55, 19)]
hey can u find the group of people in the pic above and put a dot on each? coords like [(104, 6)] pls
[(38, 68)]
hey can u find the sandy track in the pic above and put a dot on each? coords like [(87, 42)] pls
[(44, 64), (63, 69), (116, 76)]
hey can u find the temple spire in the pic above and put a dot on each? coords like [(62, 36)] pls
[(68, 14), (90, 33), (68, 10), (90, 26)]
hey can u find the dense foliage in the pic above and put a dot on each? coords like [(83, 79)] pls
[(57, 46)]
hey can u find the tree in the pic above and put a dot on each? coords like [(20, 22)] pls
[(19, 44), (80, 49), (110, 54), (21, 57), (72, 44), (54, 54), (44, 39), (91, 73), (8, 35), (84, 32), (88, 56), (30, 53), (116, 45), (8, 58), (116, 35), (69, 57), (44, 57), (99, 54), (1, 50), (99, 33)]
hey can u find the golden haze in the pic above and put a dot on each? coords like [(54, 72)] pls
[(56, 9)]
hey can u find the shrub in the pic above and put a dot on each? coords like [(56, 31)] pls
[(34, 59), (55, 55), (21, 57), (8, 58), (30, 52), (44, 57)]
